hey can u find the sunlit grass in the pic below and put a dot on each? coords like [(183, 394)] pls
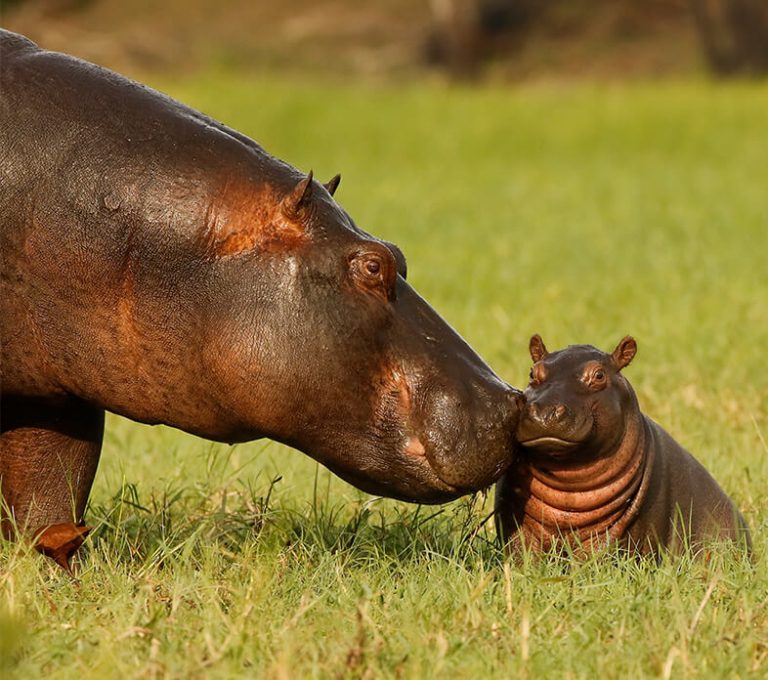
[(580, 213)]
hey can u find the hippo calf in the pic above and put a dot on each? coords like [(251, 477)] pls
[(595, 470), (162, 266)]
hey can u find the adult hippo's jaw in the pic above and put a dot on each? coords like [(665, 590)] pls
[(453, 442)]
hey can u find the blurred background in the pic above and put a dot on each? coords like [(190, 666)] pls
[(467, 39)]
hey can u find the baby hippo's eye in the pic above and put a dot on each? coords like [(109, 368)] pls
[(595, 378)]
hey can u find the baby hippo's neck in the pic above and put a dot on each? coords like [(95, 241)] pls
[(586, 500)]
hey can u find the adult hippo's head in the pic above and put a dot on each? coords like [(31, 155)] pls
[(322, 344)]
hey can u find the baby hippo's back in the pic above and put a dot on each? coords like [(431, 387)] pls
[(684, 504)]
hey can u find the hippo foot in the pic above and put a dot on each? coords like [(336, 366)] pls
[(60, 541)]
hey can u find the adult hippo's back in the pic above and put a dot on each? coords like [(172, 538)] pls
[(161, 266)]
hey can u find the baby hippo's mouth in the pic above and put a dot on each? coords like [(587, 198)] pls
[(548, 442), (553, 441), (549, 445)]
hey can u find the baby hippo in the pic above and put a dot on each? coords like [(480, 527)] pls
[(594, 470)]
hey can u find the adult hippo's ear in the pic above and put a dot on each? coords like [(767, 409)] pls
[(537, 348), (299, 199), (333, 184), (624, 353)]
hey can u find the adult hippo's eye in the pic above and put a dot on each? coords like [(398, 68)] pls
[(374, 272), (599, 374)]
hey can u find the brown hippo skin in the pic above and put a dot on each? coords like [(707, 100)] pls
[(594, 470), (162, 266)]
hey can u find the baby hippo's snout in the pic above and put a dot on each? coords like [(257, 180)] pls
[(553, 424), (545, 416)]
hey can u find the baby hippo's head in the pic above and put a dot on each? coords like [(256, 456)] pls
[(577, 401)]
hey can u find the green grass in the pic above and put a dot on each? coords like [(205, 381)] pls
[(582, 213)]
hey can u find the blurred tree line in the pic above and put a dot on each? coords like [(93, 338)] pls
[(463, 37), (732, 33)]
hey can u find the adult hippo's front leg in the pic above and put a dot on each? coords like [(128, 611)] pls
[(50, 451)]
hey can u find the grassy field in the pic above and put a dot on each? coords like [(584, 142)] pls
[(582, 213)]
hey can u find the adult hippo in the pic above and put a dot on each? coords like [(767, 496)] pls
[(164, 267)]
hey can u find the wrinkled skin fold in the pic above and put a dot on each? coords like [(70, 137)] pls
[(162, 266)]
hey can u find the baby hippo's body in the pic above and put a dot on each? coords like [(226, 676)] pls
[(594, 470)]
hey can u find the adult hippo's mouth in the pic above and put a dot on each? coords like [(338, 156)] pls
[(435, 463)]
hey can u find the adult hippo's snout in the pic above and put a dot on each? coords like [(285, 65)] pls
[(468, 414), (469, 440), (451, 441), (419, 417)]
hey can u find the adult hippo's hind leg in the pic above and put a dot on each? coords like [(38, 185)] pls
[(49, 452)]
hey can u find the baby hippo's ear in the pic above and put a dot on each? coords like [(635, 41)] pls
[(624, 353), (537, 349)]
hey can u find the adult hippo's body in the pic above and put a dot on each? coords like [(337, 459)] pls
[(594, 469), (161, 266)]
